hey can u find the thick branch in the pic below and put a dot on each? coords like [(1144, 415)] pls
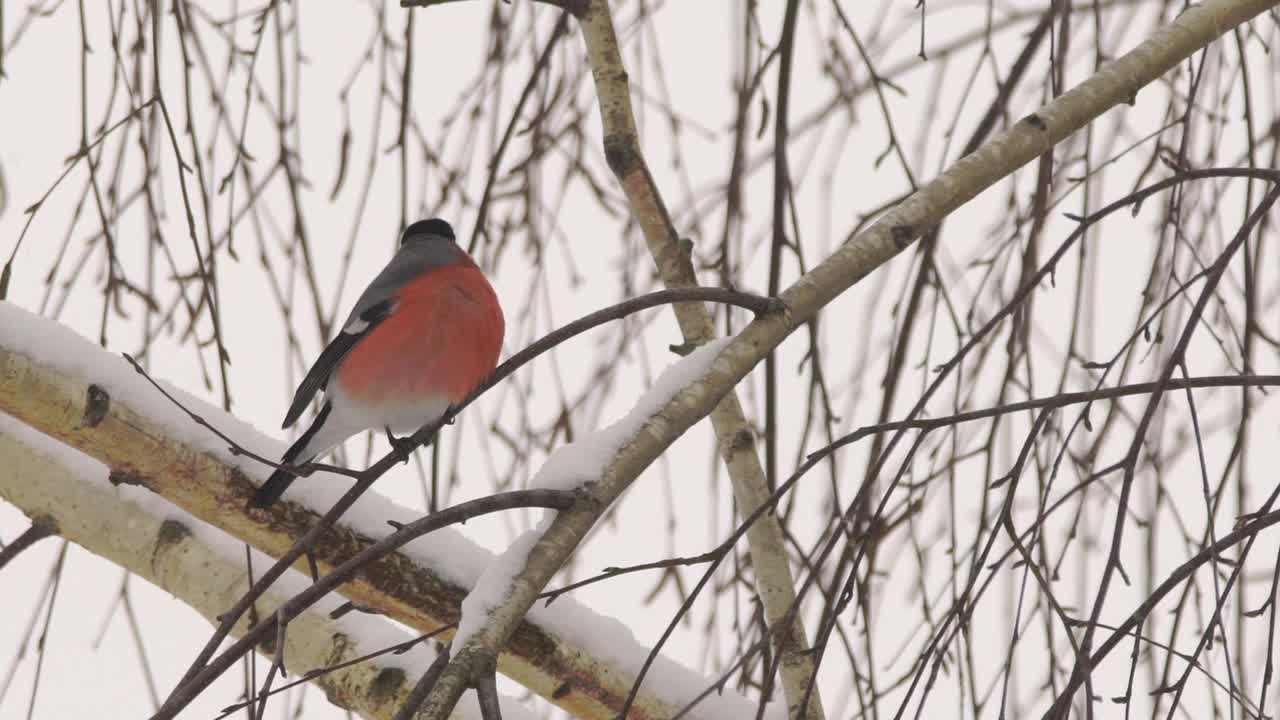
[(298, 604), (171, 556), (734, 435), (110, 413)]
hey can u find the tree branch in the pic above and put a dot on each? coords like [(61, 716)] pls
[(1115, 83), (42, 526), (108, 413), (173, 556), (735, 437)]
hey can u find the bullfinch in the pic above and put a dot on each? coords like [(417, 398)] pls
[(424, 334)]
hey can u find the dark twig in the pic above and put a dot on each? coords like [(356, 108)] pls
[(486, 687), (396, 649), (208, 668), (1084, 661), (1061, 400), (423, 688), (277, 665), (40, 528), (233, 447)]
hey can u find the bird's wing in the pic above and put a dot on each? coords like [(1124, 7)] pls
[(318, 376), (373, 306)]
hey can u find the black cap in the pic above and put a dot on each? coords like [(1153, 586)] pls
[(434, 226)]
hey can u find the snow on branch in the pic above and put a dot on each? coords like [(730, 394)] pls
[(584, 464), (570, 466), (73, 391), (205, 568)]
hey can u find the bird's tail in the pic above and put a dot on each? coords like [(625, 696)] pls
[(271, 490)]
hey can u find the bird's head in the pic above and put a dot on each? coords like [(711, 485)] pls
[(423, 230)]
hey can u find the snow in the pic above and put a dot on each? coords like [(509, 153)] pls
[(607, 639), (452, 555), (368, 633), (612, 642), (585, 459), (495, 584)]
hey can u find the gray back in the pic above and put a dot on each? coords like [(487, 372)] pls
[(418, 254)]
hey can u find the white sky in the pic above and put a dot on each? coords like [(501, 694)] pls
[(39, 127)]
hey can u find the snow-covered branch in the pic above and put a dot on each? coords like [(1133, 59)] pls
[(75, 392), (735, 437), (204, 567)]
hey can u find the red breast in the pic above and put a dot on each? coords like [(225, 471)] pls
[(443, 337)]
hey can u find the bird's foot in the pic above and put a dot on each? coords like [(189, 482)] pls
[(403, 447), (302, 469)]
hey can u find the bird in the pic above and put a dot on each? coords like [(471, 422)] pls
[(424, 334)]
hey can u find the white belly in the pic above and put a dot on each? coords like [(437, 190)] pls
[(403, 417)]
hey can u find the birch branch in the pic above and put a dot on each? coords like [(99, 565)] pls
[(734, 436), (94, 402), (1115, 83), (171, 555)]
